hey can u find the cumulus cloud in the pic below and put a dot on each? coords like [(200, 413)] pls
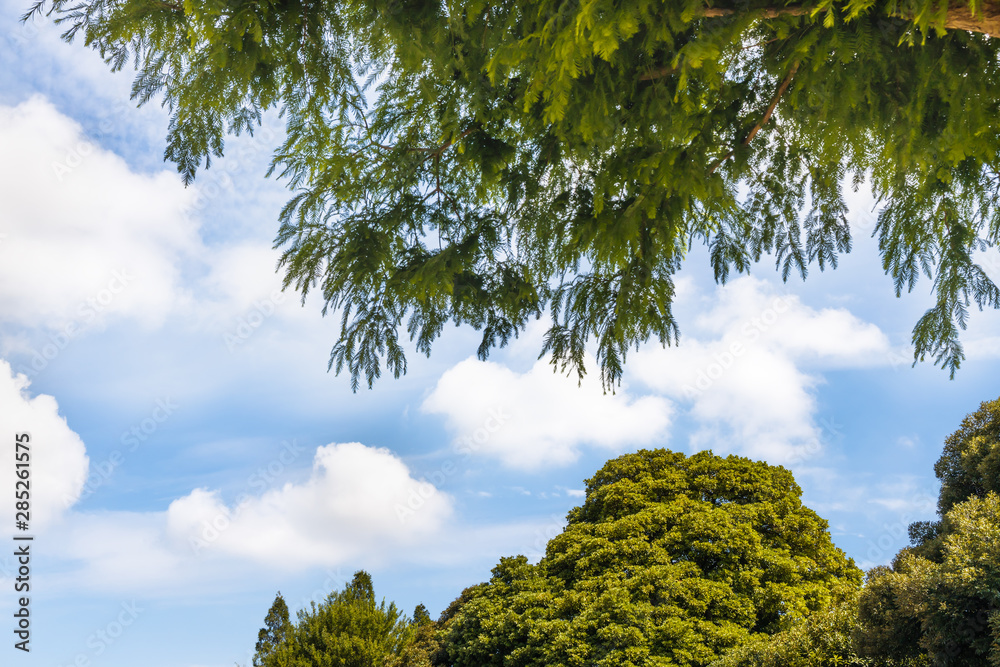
[(538, 418), (84, 236), (58, 459), (357, 500), (358, 504), (745, 374)]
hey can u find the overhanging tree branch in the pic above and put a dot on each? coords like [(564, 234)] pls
[(878, 103), (766, 117), (959, 16)]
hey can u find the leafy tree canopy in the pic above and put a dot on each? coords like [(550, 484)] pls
[(970, 464), (348, 629), (939, 601), (421, 616), (968, 468), (276, 625), (671, 560), (825, 639), (483, 162), (944, 611), (940, 596), (425, 649)]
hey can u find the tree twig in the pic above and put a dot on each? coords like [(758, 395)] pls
[(766, 117), (766, 12), (959, 16), (774, 103)]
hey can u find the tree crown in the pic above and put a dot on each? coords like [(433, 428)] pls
[(670, 560)]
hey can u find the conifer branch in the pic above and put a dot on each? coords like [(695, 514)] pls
[(658, 73), (667, 71), (765, 13), (433, 153)]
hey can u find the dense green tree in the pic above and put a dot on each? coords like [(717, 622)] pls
[(425, 648), (483, 162), (671, 560), (421, 616), (824, 639), (938, 599), (348, 629), (969, 467), (970, 464), (891, 632), (276, 625), (937, 603), (946, 611), (361, 586), (436, 645)]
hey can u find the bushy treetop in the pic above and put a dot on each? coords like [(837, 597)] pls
[(970, 464), (670, 560)]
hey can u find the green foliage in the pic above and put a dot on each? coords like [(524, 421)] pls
[(348, 629), (361, 586), (276, 625), (947, 612), (969, 467), (823, 639), (480, 163), (937, 602), (890, 629), (425, 649), (421, 615), (970, 464), (671, 560)]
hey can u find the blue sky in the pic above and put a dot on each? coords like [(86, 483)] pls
[(193, 456)]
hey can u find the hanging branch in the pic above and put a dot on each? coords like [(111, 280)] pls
[(985, 20), (763, 121)]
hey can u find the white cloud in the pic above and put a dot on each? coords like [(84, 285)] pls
[(359, 504), (124, 551), (743, 374), (984, 347), (84, 236), (747, 374), (58, 460), (538, 418), (86, 240), (243, 274), (358, 500)]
